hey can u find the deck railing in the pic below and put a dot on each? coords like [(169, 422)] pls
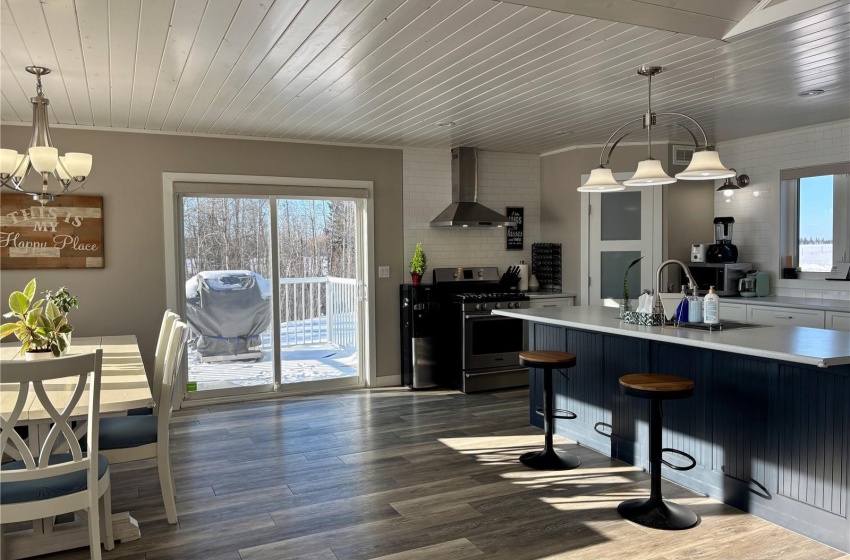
[(318, 310)]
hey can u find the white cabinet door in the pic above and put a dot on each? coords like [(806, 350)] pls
[(764, 315), (537, 303), (838, 321), (733, 312)]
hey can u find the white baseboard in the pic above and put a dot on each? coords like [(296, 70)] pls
[(388, 381)]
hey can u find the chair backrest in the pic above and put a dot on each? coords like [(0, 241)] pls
[(173, 357), (161, 350), (59, 399)]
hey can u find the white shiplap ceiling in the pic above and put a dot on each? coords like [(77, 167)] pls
[(511, 77)]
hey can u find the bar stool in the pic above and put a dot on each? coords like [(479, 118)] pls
[(549, 459), (655, 512)]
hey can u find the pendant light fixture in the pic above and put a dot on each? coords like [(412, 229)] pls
[(70, 170), (705, 163)]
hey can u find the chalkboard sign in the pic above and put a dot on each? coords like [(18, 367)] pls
[(65, 233), (514, 233)]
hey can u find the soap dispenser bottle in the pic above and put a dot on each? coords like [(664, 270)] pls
[(711, 308)]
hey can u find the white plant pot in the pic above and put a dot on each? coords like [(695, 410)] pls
[(35, 356)]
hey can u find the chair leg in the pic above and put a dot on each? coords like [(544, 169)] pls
[(106, 515), (163, 466), (94, 525)]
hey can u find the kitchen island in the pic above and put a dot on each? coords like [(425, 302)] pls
[(768, 425)]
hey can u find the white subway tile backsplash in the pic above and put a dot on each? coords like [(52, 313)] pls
[(762, 158), (505, 179)]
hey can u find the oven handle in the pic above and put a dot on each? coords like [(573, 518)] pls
[(467, 374), (488, 317)]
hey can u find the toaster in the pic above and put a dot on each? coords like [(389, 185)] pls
[(698, 251)]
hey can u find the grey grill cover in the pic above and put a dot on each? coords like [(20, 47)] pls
[(228, 309)]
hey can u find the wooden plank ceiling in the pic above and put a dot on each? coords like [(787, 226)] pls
[(511, 77)]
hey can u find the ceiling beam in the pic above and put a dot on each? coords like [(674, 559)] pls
[(642, 13), (769, 12)]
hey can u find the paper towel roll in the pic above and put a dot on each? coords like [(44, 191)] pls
[(523, 277)]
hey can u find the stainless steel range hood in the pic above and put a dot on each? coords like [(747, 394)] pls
[(465, 211)]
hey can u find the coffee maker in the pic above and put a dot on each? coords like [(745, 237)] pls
[(722, 250)]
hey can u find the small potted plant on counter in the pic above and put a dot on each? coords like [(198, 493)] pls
[(42, 329), (418, 265)]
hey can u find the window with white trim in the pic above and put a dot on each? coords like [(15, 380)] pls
[(815, 217)]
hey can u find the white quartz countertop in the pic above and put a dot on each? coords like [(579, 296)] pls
[(802, 345), (547, 295), (793, 302)]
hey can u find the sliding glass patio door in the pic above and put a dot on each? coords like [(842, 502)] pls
[(273, 292)]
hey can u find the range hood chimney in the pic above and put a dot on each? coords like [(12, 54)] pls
[(465, 211)]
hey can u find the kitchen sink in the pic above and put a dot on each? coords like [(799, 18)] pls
[(723, 326)]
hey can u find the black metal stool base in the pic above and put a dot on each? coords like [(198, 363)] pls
[(550, 460), (658, 514)]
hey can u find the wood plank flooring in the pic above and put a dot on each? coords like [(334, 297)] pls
[(395, 475)]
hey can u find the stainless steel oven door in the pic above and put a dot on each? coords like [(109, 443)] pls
[(491, 341)]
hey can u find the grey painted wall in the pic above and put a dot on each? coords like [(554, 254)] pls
[(128, 296)]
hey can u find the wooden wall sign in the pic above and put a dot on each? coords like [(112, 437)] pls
[(514, 233), (65, 233)]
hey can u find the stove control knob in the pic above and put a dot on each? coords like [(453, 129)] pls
[(498, 306), (480, 273), (477, 306), (511, 305)]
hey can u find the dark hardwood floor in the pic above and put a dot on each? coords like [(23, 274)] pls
[(393, 474)]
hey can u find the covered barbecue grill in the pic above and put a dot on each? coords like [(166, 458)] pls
[(228, 310)]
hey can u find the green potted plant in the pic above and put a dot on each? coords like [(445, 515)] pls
[(63, 300), (418, 265), (42, 329), (626, 305)]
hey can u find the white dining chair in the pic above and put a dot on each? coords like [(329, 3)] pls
[(155, 378), (49, 484), (135, 438)]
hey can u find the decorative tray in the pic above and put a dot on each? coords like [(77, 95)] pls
[(647, 319)]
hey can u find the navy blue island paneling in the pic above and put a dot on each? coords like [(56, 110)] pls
[(769, 437)]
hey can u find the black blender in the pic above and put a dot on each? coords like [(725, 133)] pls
[(722, 251)]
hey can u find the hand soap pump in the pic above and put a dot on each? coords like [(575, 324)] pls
[(711, 308)]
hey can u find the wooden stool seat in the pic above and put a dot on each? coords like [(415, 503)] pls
[(656, 386), (547, 359)]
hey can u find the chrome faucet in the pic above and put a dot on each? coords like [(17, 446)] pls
[(692, 284)]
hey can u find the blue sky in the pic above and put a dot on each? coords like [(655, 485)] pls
[(816, 207)]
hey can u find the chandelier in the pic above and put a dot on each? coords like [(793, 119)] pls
[(705, 163), (70, 170)]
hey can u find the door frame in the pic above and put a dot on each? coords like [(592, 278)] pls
[(657, 233), (171, 229)]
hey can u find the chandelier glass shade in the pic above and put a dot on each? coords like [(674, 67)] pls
[(70, 171), (705, 163), (601, 180)]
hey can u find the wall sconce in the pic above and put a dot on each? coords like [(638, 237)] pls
[(729, 187)]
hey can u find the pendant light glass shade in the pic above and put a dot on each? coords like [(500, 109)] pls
[(649, 172), (8, 161), (705, 165), (44, 158), (601, 180)]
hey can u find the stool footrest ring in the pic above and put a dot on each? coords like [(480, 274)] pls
[(681, 453), (559, 413)]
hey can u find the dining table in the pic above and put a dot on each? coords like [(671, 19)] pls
[(124, 386)]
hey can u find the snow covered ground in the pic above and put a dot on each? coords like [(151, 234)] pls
[(305, 356), (816, 258)]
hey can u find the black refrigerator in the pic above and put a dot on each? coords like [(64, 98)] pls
[(419, 318)]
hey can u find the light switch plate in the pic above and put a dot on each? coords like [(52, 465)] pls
[(383, 272)]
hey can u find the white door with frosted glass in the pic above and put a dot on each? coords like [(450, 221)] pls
[(617, 228)]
